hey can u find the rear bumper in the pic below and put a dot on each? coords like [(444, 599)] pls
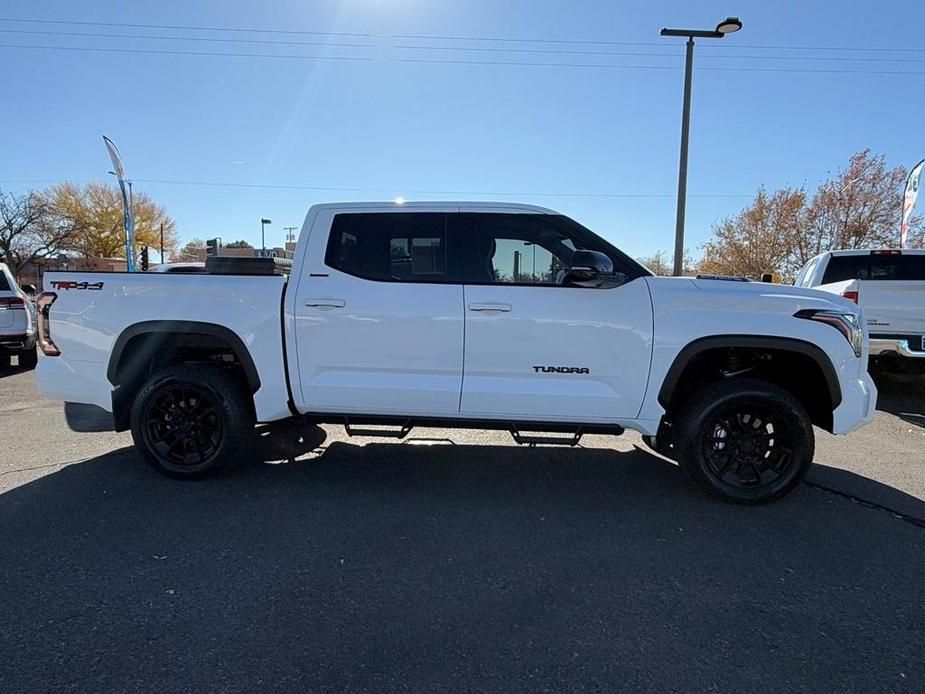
[(17, 342), (897, 346), (81, 382), (858, 405)]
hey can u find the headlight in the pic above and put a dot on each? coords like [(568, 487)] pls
[(848, 324)]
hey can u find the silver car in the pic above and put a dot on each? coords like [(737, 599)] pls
[(17, 321)]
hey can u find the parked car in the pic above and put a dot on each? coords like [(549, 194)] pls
[(889, 285), (463, 315), (17, 321)]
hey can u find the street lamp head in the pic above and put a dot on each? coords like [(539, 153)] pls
[(265, 221), (730, 25)]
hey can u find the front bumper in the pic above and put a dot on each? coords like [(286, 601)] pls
[(899, 346), (858, 404)]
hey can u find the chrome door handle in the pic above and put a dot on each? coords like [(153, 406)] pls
[(326, 303), (490, 307)]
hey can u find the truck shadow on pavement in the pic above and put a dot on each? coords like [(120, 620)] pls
[(391, 567), (902, 395)]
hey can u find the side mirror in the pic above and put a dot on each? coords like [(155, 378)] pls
[(589, 269), (29, 289)]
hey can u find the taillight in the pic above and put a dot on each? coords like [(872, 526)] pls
[(850, 296), (13, 302), (42, 303), (889, 251)]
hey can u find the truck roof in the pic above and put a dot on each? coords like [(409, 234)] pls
[(466, 205), (880, 251)]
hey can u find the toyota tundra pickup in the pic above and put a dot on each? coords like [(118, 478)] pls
[(462, 315), (889, 284)]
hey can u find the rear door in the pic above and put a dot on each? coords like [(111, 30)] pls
[(536, 349), (378, 315)]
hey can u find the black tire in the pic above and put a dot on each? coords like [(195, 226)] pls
[(28, 359), (193, 421), (4, 359), (744, 440)]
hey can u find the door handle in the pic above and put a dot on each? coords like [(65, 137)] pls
[(490, 307), (326, 303)]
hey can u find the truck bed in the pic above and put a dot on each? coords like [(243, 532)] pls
[(93, 310)]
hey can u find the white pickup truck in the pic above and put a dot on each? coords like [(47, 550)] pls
[(889, 285), (468, 315)]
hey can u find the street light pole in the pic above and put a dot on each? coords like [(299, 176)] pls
[(682, 166), (727, 26), (263, 238)]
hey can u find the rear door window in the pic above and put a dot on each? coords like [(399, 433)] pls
[(389, 247), (4, 285)]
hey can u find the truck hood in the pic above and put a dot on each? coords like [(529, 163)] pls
[(751, 296)]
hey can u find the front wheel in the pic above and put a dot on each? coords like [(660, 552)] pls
[(192, 421), (745, 440)]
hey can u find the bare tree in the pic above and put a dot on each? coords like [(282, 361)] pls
[(190, 252), (27, 231), (661, 264)]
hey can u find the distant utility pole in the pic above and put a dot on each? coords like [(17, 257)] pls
[(162, 242), (289, 235)]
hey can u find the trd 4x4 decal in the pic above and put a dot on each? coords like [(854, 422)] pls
[(562, 369), (67, 285)]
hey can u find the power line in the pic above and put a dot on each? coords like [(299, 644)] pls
[(440, 61), (479, 49), (441, 37), (396, 190), (339, 58)]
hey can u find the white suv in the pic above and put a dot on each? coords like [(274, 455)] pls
[(17, 321)]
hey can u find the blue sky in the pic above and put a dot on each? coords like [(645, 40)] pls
[(604, 140)]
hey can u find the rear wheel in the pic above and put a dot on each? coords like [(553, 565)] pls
[(745, 440), (192, 421), (4, 359), (28, 359)]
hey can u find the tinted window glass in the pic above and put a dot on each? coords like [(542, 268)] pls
[(875, 267), (391, 247), (4, 285), (529, 248), (847, 267), (913, 267)]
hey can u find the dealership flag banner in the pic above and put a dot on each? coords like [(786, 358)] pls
[(912, 192)]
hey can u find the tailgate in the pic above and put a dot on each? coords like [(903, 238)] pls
[(893, 307)]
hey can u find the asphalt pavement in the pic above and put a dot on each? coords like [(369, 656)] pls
[(455, 561)]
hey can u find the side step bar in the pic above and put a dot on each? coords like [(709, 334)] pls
[(400, 427), (400, 433), (533, 439)]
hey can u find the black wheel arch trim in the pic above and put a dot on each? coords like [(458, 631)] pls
[(174, 327), (787, 344)]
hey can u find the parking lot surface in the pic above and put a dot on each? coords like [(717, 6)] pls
[(455, 561)]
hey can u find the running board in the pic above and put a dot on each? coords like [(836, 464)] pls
[(533, 440), (399, 433)]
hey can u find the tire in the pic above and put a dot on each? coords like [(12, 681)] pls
[(4, 359), (744, 440), (190, 422), (28, 359)]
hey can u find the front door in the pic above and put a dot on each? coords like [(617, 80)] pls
[(537, 349), (379, 328)]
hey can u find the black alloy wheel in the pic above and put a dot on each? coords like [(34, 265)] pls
[(192, 421), (744, 440), (182, 423)]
